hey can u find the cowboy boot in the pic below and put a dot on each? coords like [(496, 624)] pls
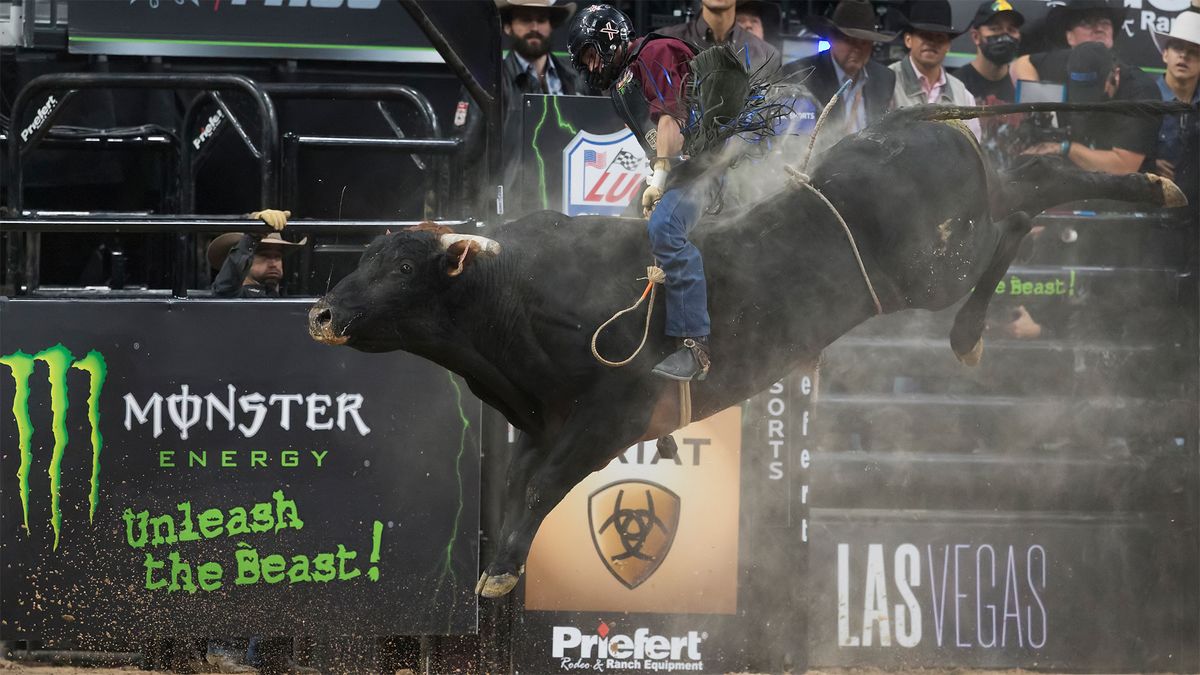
[(689, 362)]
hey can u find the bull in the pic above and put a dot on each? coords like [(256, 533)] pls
[(514, 315)]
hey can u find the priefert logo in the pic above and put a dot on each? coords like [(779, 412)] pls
[(642, 650)]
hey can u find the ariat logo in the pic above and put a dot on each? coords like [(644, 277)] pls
[(58, 360), (633, 525)]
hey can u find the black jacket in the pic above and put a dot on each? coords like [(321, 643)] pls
[(823, 83), (468, 122), (230, 280)]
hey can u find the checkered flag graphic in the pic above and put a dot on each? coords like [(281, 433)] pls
[(630, 161)]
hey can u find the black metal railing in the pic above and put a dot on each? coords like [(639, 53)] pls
[(184, 229)]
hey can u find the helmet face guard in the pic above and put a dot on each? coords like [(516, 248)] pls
[(606, 30), (603, 77)]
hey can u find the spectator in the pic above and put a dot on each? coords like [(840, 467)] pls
[(529, 68), (1181, 55), (852, 32), (761, 19), (1076, 22), (1103, 142), (996, 32), (920, 78), (250, 266), (716, 25)]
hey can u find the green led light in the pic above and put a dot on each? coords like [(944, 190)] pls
[(562, 124)]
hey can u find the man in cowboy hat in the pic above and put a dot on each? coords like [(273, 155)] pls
[(1177, 136), (251, 266), (761, 18), (529, 68), (852, 30), (920, 78), (716, 24), (1068, 25)]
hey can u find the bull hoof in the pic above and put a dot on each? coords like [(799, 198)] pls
[(1172, 196), (495, 586), (972, 357)]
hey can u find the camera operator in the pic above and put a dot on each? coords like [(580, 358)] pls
[(1104, 142)]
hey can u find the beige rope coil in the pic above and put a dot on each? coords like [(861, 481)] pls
[(654, 276)]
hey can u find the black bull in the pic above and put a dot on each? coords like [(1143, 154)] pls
[(514, 316)]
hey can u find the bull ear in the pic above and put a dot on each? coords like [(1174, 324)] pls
[(462, 249)]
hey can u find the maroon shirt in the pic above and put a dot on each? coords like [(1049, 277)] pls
[(661, 68)]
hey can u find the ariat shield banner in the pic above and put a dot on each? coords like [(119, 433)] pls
[(633, 525), (205, 468), (630, 537)]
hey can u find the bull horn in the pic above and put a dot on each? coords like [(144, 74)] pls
[(487, 246)]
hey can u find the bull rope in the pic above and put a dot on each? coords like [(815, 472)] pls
[(801, 178), (654, 276)]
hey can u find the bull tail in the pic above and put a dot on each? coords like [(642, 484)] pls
[(935, 112)]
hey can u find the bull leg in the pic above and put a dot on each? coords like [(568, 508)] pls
[(521, 466), (1044, 182), (966, 336), (574, 455)]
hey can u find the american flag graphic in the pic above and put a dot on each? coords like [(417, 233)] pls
[(594, 159)]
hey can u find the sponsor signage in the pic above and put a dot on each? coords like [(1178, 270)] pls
[(39, 117), (602, 173), (943, 589), (576, 157), (637, 569), (629, 537), (204, 468)]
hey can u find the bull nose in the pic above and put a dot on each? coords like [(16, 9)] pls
[(322, 317), (320, 325)]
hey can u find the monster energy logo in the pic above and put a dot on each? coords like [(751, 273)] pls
[(58, 360)]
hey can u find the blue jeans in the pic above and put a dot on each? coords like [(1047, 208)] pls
[(687, 295)]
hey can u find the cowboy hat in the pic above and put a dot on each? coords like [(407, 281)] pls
[(769, 12), (559, 11), (219, 249), (853, 18), (1058, 20), (1185, 27), (933, 16)]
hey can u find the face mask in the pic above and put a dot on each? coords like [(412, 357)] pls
[(1000, 49)]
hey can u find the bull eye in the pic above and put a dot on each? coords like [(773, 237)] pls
[(406, 267)]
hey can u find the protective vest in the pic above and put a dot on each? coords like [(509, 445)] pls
[(630, 101)]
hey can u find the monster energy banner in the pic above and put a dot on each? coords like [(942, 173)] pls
[(204, 468)]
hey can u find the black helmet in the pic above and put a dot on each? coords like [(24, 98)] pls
[(607, 30)]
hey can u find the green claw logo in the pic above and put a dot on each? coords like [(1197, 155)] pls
[(57, 359)]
